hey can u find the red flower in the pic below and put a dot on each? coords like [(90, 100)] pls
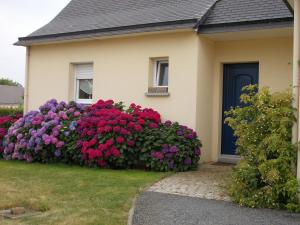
[(130, 125), (108, 154), (153, 125), (93, 142), (124, 131), (94, 154), (130, 143), (141, 121), (138, 128), (108, 129), (115, 152), (109, 142), (122, 122), (117, 129), (120, 140), (2, 132), (101, 123), (91, 133), (86, 144), (102, 147)]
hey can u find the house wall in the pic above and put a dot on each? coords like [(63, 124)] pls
[(274, 56), (122, 67), (206, 56), (121, 72)]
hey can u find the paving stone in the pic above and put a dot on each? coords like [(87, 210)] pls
[(208, 182)]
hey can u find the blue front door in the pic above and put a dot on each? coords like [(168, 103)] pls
[(236, 76)]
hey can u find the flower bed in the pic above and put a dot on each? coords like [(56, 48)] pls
[(110, 133), (106, 134), (5, 123), (170, 147), (45, 135)]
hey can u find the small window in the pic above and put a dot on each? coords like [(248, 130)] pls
[(84, 83), (161, 73)]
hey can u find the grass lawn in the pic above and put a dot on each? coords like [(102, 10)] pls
[(70, 195)]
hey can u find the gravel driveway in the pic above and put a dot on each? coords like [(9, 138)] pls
[(154, 208)]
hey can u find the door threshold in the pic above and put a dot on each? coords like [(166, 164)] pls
[(233, 159)]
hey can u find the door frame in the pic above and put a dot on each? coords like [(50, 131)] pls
[(222, 157)]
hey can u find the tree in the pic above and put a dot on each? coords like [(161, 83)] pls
[(9, 82)]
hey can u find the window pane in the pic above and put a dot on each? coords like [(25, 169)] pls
[(85, 89), (163, 74)]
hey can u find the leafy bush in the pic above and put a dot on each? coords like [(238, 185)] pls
[(5, 123), (9, 82), (105, 134), (45, 135), (11, 111), (265, 176), (110, 133), (170, 147)]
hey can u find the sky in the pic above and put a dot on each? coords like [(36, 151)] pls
[(18, 18)]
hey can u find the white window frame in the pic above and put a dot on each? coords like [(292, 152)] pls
[(77, 80), (156, 75)]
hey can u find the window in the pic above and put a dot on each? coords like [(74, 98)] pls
[(161, 73), (84, 83)]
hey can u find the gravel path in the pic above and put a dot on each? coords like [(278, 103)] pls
[(208, 182), (154, 208)]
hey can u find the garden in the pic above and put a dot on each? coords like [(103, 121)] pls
[(104, 135), (97, 156), (96, 160)]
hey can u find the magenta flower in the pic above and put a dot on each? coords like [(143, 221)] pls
[(157, 155), (76, 114)]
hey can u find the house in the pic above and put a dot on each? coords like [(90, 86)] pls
[(188, 59), (11, 96)]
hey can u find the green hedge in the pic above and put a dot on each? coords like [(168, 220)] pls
[(11, 111)]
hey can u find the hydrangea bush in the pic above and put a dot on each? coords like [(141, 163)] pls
[(45, 135), (170, 147), (106, 135), (110, 133), (5, 123)]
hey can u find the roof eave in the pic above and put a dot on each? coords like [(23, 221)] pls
[(134, 29), (248, 25)]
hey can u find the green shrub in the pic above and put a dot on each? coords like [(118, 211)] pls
[(11, 111), (171, 146), (106, 135), (265, 176)]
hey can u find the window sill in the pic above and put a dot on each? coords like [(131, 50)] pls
[(157, 94), (84, 102)]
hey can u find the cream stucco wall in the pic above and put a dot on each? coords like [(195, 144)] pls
[(206, 56), (121, 72)]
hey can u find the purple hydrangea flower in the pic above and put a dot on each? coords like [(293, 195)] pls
[(188, 161), (190, 136), (57, 153), (168, 123), (173, 149), (171, 164), (179, 133)]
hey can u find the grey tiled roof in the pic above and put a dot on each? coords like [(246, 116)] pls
[(238, 11), (100, 14), (11, 95), (92, 18)]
